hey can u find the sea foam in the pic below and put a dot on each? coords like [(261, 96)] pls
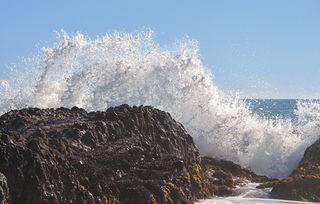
[(118, 68)]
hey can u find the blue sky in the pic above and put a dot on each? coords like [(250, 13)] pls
[(265, 49)]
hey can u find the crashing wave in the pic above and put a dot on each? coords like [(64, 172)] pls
[(118, 68)]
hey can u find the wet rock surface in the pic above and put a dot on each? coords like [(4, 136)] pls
[(304, 181), (123, 155)]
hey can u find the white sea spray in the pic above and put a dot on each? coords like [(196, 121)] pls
[(118, 68)]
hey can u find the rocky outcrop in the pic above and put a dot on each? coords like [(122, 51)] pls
[(304, 182), (226, 175), (123, 155)]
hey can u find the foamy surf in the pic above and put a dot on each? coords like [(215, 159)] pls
[(231, 200), (131, 68), (249, 194)]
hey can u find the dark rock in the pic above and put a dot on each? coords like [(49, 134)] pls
[(124, 155), (310, 161), (226, 175), (304, 181), (268, 184), (223, 191)]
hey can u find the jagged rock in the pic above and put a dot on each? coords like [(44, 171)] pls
[(304, 181), (226, 175), (123, 155), (4, 190)]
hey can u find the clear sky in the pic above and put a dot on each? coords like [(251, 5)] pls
[(262, 48)]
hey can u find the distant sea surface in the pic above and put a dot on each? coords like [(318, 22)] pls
[(276, 108)]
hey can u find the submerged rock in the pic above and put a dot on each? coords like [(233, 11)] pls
[(304, 182), (123, 155)]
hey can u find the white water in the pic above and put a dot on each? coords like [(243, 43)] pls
[(237, 200), (130, 68), (249, 194), (234, 200)]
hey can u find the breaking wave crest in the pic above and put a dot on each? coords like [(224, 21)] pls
[(122, 68)]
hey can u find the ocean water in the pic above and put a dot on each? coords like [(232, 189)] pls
[(267, 136), (270, 109), (249, 201), (273, 109), (249, 194), (239, 200)]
